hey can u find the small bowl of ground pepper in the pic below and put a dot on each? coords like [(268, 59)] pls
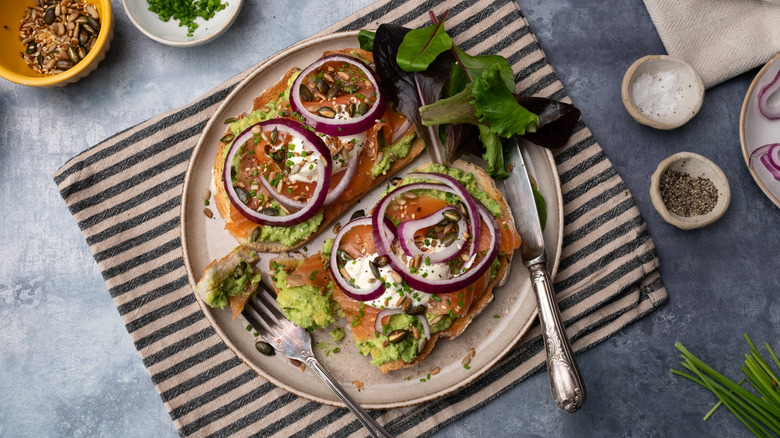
[(689, 191), (51, 43)]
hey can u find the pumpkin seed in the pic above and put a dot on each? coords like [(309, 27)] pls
[(406, 305), (94, 23), (89, 29), (352, 88), (274, 135), (306, 95), (362, 108), (265, 348), (381, 261), (357, 214), (380, 138), (452, 215), (333, 92), (242, 194), (49, 16), (351, 109), (418, 309), (449, 238), (397, 336), (255, 234), (374, 270), (327, 112), (269, 211), (343, 256), (31, 48), (73, 54), (322, 85), (227, 138), (396, 180), (82, 52)]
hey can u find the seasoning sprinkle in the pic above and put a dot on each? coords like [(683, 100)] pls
[(685, 195)]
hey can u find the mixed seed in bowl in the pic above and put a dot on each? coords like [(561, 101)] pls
[(57, 35)]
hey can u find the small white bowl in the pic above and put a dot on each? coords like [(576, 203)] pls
[(694, 165), (690, 89), (170, 33)]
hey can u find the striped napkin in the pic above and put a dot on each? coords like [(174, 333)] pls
[(125, 194)]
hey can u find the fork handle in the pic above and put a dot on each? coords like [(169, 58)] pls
[(368, 422)]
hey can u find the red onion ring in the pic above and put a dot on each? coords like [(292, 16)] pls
[(435, 286), (771, 113), (349, 290), (401, 130), (471, 204), (332, 126), (406, 231), (344, 182), (381, 315), (311, 142), (769, 155), (426, 326)]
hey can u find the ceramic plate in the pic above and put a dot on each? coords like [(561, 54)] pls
[(204, 240), (755, 130), (170, 33)]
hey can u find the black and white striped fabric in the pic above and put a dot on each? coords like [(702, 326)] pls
[(125, 194)]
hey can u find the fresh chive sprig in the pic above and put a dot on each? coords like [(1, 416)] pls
[(760, 412)]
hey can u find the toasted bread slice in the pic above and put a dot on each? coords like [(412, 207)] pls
[(487, 184), (331, 212)]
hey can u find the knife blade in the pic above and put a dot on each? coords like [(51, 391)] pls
[(566, 384)]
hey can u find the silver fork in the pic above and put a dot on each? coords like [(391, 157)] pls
[(294, 342)]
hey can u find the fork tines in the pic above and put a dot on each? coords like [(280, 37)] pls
[(270, 318)]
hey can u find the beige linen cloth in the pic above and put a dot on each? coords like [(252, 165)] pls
[(719, 38), (125, 195)]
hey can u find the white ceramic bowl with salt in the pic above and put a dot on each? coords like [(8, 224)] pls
[(662, 91)]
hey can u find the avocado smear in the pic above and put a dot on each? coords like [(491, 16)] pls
[(399, 149), (289, 236), (304, 305), (468, 180)]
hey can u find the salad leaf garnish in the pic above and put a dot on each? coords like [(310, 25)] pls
[(420, 47), (485, 102), (473, 67), (408, 91), (366, 40)]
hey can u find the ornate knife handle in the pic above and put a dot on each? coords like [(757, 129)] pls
[(566, 383)]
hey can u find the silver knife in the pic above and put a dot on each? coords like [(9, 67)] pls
[(566, 383)]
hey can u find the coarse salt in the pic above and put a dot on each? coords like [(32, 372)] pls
[(657, 95)]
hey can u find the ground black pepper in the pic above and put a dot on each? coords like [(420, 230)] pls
[(687, 196)]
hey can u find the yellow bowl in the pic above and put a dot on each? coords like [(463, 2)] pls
[(15, 69)]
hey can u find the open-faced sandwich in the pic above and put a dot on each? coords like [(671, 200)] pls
[(424, 262), (314, 143), (421, 265)]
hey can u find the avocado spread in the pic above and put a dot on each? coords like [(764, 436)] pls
[(468, 180), (228, 277), (399, 149), (383, 351), (304, 305)]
